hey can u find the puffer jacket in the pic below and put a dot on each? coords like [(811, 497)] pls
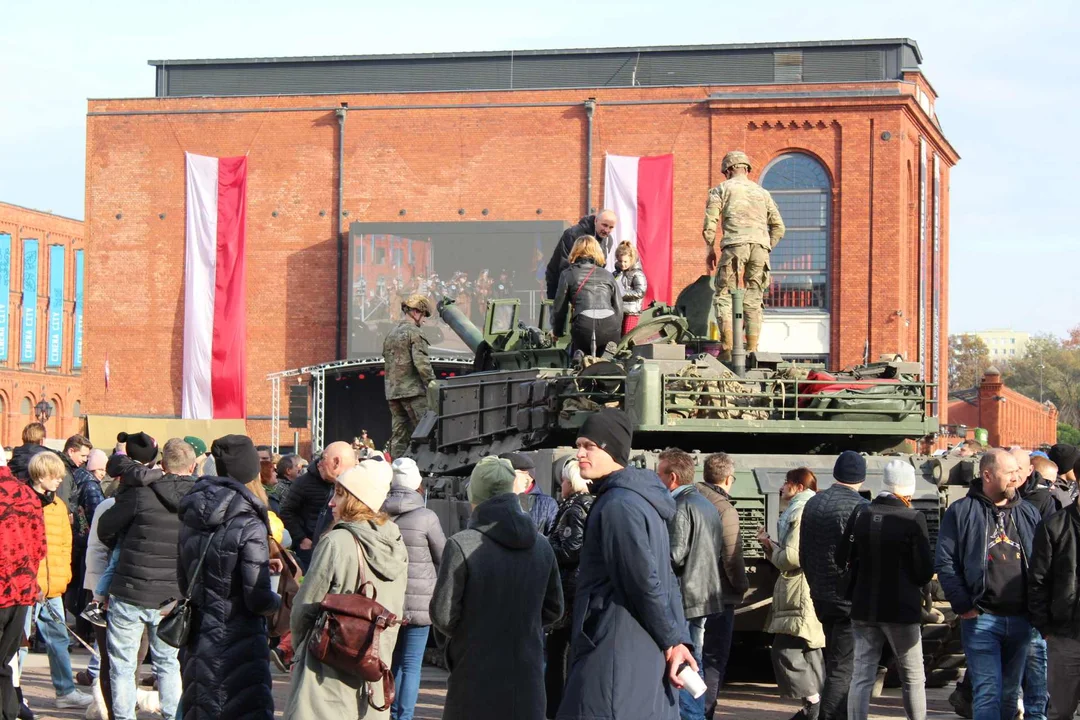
[(226, 671), (586, 286), (696, 539), (145, 517), (560, 258), (1053, 591), (823, 522), (792, 611), (960, 558), (22, 539), (566, 540), (424, 539), (304, 504), (632, 286), (54, 572)]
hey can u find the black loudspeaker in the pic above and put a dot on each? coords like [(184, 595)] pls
[(298, 406)]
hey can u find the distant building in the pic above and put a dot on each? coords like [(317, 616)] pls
[(41, 311), (1004, 344), (1009, 417)]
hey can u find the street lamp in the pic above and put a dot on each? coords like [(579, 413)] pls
[(43, 411)]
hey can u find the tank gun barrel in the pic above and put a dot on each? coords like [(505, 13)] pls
[(461, 325)]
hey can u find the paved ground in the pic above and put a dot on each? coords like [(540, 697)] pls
[(742, 701)]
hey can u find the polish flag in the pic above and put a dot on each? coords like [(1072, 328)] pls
[(215, 356), (641, 192)]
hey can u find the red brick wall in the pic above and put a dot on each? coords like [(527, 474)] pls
[(431, 161), (1009, 417), (23, 386)]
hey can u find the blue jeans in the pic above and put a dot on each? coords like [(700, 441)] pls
[(126, 625), (55, 635), (689, 708), (1035, 690), (408, 658), (996, 648)]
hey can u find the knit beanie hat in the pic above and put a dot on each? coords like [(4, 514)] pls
[(406, 474), (612, 432), (492, 476), (850, 468), (1064, 456), (368, 482), (899, 478), (139, 446), (236, 457)]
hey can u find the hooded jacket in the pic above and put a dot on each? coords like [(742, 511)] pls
[(22, 541), (960, 559), (54, 572), (424, 539), (226, 671), (792, 610), (560, 258), (586, 286), (1053, 585), (1037, 492), (319, 691), (628, 609), (145, 523), (498, 588)]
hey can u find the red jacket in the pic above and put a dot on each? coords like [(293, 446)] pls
[(22, 541)]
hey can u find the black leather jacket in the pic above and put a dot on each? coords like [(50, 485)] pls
[(697, 539), (586, 286), (1052, 594), (567, 537)]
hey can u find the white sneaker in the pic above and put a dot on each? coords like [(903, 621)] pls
[(74, 699)]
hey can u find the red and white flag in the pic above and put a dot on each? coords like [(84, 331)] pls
[(215, 354), (641, 192)]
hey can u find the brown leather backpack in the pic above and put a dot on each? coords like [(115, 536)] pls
[(346, 635)]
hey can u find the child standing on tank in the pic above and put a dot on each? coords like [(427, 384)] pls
[(631, 283)]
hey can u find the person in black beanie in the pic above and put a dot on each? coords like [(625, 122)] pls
[(1066, 457), (139, 446), (628, 651), (823, 521)]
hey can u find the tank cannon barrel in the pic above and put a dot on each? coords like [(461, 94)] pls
[(461, 325)]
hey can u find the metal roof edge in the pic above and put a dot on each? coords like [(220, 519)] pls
[(544, 52)]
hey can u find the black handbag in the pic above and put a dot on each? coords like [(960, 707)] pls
[(175, 627)]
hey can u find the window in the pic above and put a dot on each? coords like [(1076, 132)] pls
[(800, 263), (76, 409), (24, 406)]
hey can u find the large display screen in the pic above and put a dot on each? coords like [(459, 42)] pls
[(470, 262)]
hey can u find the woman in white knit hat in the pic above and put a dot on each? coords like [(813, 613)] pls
[(319, 691), (887, 549)]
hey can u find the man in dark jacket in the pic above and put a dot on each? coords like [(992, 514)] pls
[(983, 549), (599, 226), (542, 508), (76, 451), (33, 435), (630, 638), (306, 502), (1037, 489), (498, 588), (697, 537), (823, 523), (1052, 603), (719, 476), (1066, 457), (144, 524), (887, 547)]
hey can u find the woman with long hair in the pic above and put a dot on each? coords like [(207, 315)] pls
[(588, 288), (798, 634), (362, 546)]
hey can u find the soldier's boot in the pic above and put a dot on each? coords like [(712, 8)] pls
[(726, 335), (751, 343)]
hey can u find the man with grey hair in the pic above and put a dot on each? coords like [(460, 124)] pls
[(288, 469), (600, 226), (983, 550), (304, 510), (719, 477)]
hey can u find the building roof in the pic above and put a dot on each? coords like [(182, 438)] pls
[(832, 61)]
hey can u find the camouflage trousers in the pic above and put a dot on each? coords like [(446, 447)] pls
[(750, 264), (405, 413)]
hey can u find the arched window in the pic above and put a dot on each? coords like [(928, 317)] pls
[(25, 405), (76, 409), (800, 263)]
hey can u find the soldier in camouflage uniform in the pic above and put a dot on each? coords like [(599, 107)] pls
[(752, 227), (408, 372)]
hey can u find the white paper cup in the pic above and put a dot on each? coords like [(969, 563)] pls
[(692, 682)]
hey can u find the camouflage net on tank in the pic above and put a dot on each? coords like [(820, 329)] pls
[(713, 392)]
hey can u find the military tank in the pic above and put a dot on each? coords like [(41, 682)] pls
[(527, 393)]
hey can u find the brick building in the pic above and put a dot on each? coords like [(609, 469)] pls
[(844, 134), (41, 293), (1009, 417)]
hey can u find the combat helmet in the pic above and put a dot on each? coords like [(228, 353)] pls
[(417, 302), (733, 158)]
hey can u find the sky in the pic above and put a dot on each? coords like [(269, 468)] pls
[(1005, 73)]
